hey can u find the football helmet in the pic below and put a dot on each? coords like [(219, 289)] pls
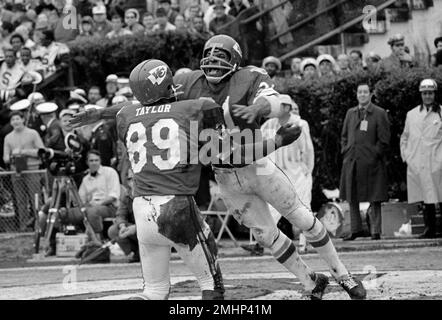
[(216, 68), (151, 81)]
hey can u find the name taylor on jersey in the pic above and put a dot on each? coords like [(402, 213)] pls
[(165, 108)]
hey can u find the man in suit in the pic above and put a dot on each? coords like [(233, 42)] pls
[(364, 140)]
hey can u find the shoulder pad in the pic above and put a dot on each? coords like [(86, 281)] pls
[(187, 78)]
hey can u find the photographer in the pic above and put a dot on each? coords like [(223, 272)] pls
[(99, 192), (20, 153)]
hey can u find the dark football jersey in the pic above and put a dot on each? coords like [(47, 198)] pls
[(243, 87), (162, 144)]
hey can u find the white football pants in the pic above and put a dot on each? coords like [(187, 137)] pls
[(155, 250)]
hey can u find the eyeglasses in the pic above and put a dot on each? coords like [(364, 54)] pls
[(130, 17)]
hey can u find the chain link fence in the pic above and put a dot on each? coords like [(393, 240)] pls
[(20, 195)]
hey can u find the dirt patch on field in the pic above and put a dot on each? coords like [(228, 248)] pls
[(15, 249)]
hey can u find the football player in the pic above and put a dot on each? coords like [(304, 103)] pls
[(246, 96), (159, 134)]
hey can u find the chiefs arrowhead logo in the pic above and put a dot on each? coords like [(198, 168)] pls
[(157, 75)]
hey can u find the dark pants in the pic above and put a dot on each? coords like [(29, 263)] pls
[(25, 186), (374, 214), (429, 213), (96, 214), (128, 245)]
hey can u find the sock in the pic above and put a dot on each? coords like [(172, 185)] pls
[(284, 250), (318, 237)]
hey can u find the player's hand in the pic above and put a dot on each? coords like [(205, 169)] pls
[(248, 113), (287, 134), (85, 117), (127, 231)]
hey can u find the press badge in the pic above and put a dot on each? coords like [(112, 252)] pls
[(364, 125)]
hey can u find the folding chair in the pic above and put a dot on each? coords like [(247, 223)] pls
[(223, 216)]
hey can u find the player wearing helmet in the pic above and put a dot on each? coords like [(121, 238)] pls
[(158, 134), (246, 96)]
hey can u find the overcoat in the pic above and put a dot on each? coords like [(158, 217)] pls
[(364, 173), (421, 149)]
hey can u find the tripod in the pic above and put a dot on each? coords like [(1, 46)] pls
[(62, 185)]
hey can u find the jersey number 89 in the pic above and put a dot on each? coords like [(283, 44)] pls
[(137, 150)]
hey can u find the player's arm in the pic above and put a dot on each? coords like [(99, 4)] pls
[(213, 118), (251, 152), (263, 101), (93, 115)]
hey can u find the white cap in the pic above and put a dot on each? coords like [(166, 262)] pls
[(65, 112), (273, 60), (428, 85), (91, 106), (119, 99), (100, 9), (307, 62), (36, 96), (20, 105), (123, 81), (325, 57), (74, 106), (112, 78), (285, 98), (46, 107)]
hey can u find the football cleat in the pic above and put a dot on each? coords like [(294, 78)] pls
[(353, 287), (321, 282)]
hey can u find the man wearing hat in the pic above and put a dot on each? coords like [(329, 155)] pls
[(273, 65), (398, 58), (102, 25), (87, 28), (132, 20), (421, 149), (309, 69), (111, 89), (221, 18), (166, 5), (51, 127), (327, 65)]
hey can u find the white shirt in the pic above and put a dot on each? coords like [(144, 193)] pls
[(10, 77), (105, 184)]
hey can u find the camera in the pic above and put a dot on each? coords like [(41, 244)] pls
[(58, 162), (62, 163)]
